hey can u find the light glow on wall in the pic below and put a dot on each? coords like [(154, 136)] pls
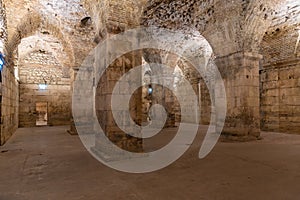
[(150, 90), (2, 62), (42, 86)]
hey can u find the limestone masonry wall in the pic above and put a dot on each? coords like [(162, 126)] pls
[(280, 98), (41, 68), (280, 79), (9, 104), (8, 88)]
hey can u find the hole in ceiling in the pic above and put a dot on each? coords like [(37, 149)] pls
[(45, 32), (86, 21)]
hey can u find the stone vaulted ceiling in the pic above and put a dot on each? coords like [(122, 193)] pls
[(43, 43), (229, 26), (61, 19), (246, 26), (280, 41)]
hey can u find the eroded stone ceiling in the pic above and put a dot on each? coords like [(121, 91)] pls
[(229, 26), (64, 20)]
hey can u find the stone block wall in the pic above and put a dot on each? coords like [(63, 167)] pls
[(104, 92), (9, 104), (240, 73), (8, 88), (280, 79), (58, 98), (113, 18), (280, 97), (40, 69)]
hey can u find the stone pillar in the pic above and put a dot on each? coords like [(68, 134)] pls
[(74, 72), (240, 72), (206, 104), (193, 77), (104, 91), (163, 96)]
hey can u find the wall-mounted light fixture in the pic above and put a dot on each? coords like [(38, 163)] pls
[(2, 61), (150, 90), (43, 86)]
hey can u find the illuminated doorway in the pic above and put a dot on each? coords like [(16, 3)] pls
[(42, 113)]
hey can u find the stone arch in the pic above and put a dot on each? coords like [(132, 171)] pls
[(47, 50), (65, 41), (257, 20), (281, 27), (31, 23), (40, 44), (191, 16), (279, 70), (241, 29), (235, 38)]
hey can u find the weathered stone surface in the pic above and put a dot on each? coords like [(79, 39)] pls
[(242, 91), (43, 68), (47, 39), (280, 97), (9, 87), (104, 92)]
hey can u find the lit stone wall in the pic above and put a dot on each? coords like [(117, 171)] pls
[(40, 68), (8, 87), (280, 98), (9, 104), (280, 80), (229, 42)]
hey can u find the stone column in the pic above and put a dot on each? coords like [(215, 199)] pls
[(104, 92), (206, 104), (240, 72), (74, 72)]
